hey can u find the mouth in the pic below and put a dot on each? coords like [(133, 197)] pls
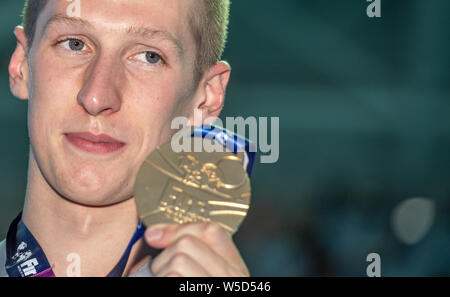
[(96, 144)]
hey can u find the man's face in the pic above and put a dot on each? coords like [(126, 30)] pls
[(125, 71)]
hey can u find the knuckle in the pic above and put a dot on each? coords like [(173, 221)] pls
[(212, 229), (186, 242), (180, 260)]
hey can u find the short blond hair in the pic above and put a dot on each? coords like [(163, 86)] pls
[(210, 30)]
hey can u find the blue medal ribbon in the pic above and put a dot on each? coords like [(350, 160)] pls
[(230, 141), (25, 257), (118, 270)]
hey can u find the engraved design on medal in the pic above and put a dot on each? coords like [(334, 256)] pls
[(182, 207), (193, 187)]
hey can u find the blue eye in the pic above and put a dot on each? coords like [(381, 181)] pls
[(152, 57), (149, 57), (76, 45), (73, 44)]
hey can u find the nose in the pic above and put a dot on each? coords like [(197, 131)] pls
[(99, 93)]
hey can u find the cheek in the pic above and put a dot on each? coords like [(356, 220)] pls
[(155, 118), (155, 103), (46, 113), (53, 89), (51, 72)]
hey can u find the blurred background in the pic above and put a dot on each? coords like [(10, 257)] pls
[(364, 161)]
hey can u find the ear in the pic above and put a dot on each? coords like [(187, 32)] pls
[(18, 66), (211, 94)]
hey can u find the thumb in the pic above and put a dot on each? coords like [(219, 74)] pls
[(161, 236)]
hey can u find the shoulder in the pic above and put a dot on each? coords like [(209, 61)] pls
[(3, 259)]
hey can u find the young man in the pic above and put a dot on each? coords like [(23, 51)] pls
[(102, 88)]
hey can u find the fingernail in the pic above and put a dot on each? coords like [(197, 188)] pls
[(154, 235)]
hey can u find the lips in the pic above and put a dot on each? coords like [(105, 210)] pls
[(97, 144)]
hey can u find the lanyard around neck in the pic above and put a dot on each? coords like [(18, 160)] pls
[(25, 257)]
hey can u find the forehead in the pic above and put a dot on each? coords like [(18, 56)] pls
[(167, 16)]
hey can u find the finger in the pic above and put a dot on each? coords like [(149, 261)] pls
[(181, 264), (171, 274), (209, 232), (199, 252), (157, 235)]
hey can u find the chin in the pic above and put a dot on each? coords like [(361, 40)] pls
[(83, 191), (94, 194), (95, 199)]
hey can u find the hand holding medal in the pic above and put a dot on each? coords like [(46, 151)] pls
[(193, 202)]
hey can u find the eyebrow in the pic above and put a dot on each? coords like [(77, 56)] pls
[(140, 31)]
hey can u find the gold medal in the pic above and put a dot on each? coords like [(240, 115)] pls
[(189, 187)]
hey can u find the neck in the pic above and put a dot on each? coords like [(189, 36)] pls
[(98, 235)]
